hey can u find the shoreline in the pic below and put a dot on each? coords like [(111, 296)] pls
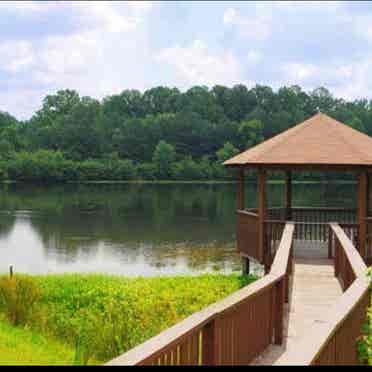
[(107, 182)]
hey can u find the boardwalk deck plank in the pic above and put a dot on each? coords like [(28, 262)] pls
[(314, 289)]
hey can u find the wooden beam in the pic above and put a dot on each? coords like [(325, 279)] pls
[(240, 191), (288, 195), (362, 213), (261, 218), (245, 265)]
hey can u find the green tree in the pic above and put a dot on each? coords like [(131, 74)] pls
[(357, 124), (164, 156), (226, 152), (251, 132)]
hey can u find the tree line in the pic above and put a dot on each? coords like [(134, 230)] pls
[(159, 134)]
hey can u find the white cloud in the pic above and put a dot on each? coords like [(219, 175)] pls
[(350, 81), (230, 16), (254, 57), (98, 59), (196, 65), (15, 56), (256, 27), (301, 72)]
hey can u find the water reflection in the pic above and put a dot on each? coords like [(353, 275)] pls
[(134, 229)]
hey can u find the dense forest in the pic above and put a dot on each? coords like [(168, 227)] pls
[(159, 134)]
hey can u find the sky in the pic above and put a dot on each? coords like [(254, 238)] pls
[(101, 48)]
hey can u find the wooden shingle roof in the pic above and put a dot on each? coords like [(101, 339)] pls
[(319, 140)]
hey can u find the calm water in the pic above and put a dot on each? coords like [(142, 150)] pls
[(134, 229)]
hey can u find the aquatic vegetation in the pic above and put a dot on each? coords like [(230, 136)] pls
[(102, 316), (18, 297)]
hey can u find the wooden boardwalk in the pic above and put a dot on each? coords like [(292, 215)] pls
[(314, 289)]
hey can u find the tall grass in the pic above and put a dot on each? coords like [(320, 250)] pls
[(103, 316)]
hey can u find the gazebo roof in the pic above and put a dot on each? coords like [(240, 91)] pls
[(318, 141)]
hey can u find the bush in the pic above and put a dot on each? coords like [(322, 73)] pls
[(365, 341), (121, 170), (146, 171), (42, 165), (187, 169), (91, 170), (18, 296), (105, 316)]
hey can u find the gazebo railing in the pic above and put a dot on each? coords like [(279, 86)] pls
[(312, 224), (247, 234), (310, 214), (323, 215)]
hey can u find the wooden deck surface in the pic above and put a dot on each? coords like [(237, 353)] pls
[(313, 290)]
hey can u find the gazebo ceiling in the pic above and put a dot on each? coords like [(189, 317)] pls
[(318, 142)]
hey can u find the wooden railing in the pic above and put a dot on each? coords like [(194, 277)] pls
[(232, 331), (369, 240), (323, 215), (274, 230), (333, 338), (312, 224), (247, 235)]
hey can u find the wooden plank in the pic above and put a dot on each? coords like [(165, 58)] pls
[(279, 304), (322, 331), (247, 234), (240, 191)]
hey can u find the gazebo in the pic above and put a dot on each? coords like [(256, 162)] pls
[(320, 144)]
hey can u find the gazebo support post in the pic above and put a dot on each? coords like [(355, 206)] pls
[(288, 195), (240, 206), (362, 213), (264, 254), (240, 193)]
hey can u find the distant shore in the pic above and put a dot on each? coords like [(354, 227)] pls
[(180, 182)]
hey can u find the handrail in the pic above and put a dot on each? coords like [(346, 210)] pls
[(281, 259), (174, 335), (242, 211), (331, 339), (356, 261)]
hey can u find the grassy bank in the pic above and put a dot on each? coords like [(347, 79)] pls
[(19, 346), (97, 317)]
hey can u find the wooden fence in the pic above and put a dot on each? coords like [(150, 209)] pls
[(247, 235), (333, 338), (233, 331)]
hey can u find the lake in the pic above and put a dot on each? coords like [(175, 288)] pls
[(134, 229)]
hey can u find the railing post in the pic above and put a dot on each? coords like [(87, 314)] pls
[(329, 242), (278, 311), (337, 258), (209, 344), (245, 265), (287, 275)]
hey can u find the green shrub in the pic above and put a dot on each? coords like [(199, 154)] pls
[(146, 171), (121, 170), (103, 316), (91, 170), (18, 297), (187, 169), (365, 340)]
